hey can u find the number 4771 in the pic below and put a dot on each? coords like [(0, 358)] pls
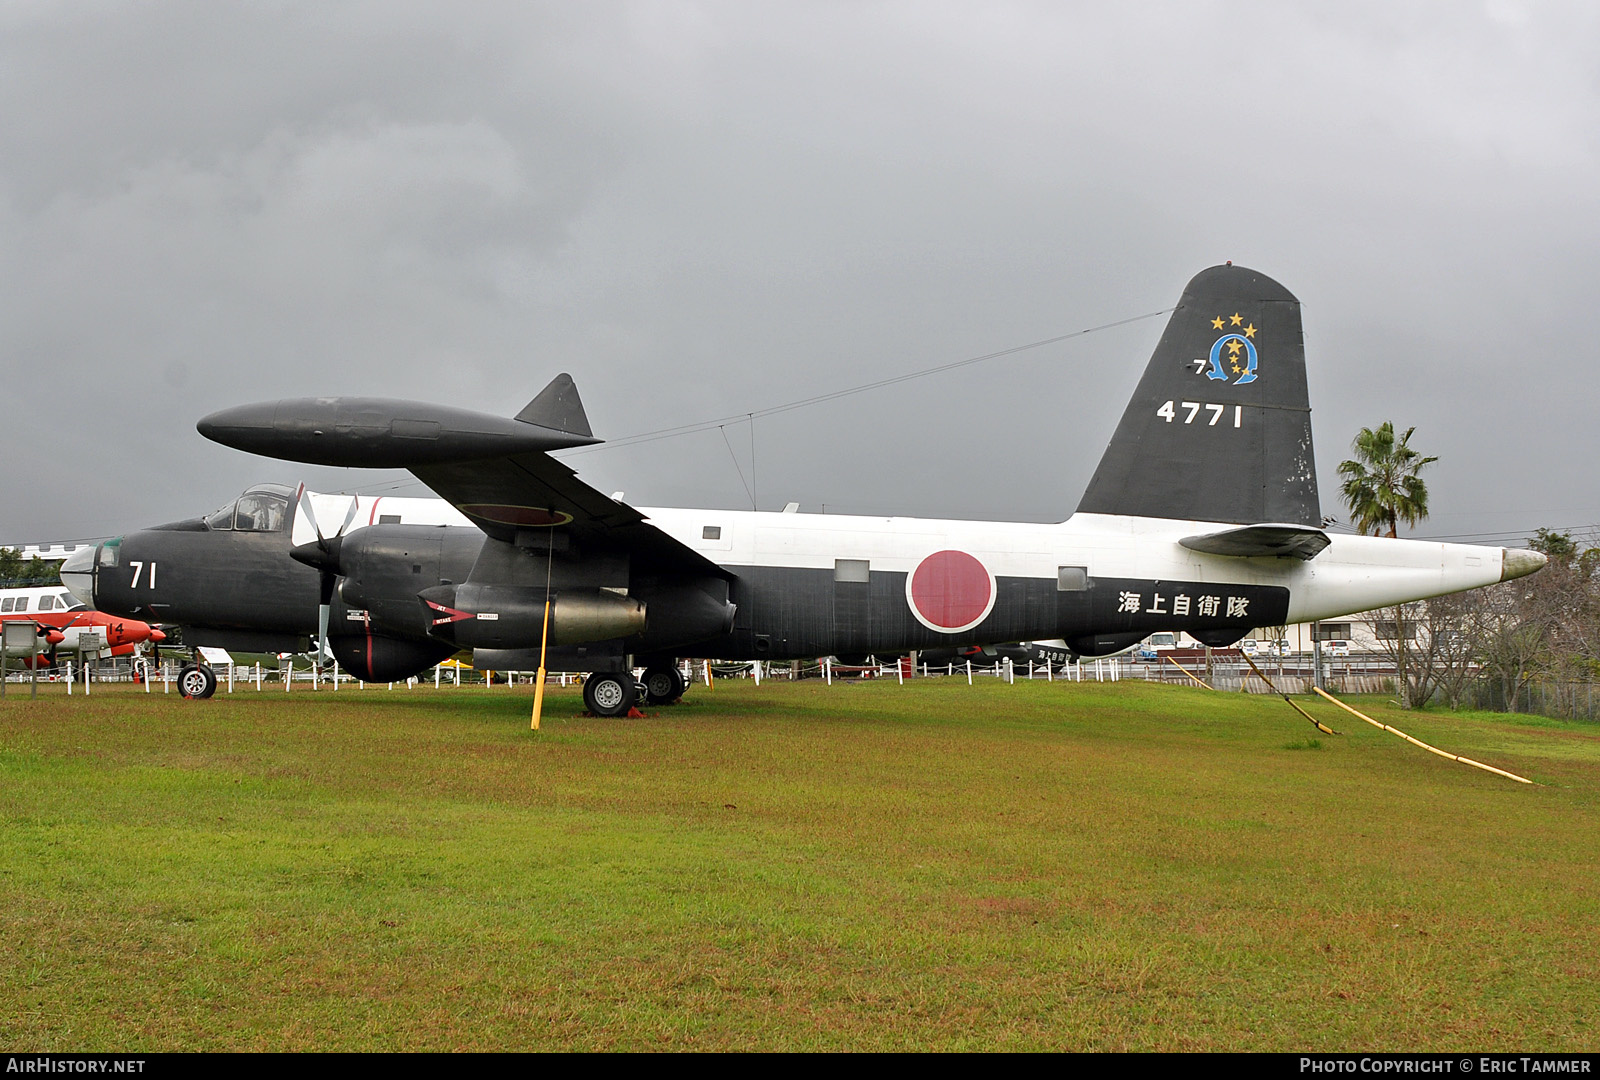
[(1168, 413)]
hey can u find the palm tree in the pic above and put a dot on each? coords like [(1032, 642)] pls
[(1381, 487)]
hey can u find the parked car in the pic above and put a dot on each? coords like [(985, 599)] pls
[(1335, 647), (1250, 647)]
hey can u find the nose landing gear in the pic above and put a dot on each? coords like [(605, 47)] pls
[(197, 681)]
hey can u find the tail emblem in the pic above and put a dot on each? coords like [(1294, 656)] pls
[(1241, 359)]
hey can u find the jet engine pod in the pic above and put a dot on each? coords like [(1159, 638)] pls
[(512, 616)]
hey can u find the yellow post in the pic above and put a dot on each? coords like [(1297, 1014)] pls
[(1419, 742), (538, 691)]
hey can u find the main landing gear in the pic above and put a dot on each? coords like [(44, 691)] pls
[(663, 684), (610, 693)]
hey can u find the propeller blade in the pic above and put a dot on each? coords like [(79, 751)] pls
[(309, 513), (350, 515), (322, 633)]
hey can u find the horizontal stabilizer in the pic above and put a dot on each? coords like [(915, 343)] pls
[(1282, 541), (558, 407)]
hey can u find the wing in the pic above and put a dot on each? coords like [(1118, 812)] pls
[(496, 470), (517, 498)]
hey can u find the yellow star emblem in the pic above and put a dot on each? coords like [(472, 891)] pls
[(1234, 345), (1250, 331), (1237, 369), (1236, 320), (1216, 324)]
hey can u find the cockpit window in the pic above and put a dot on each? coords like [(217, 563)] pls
[(220, 520), (255, 512), (67, 602)]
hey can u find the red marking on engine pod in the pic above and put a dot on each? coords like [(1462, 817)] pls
[(504, 514), (950, 591)]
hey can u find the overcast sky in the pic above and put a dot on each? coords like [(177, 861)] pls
[(704, 209)]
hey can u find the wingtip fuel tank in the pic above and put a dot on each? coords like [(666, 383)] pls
[(377, 433)]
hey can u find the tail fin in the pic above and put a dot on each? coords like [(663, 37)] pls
[(558, 408), (1220, 426)]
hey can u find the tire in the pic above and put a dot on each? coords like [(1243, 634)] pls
[(197, 682), (610, 693), (662, 684)]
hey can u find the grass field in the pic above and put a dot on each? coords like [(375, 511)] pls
[(793, 866)]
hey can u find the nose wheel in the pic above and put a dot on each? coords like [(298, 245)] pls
[(610, 693), (196, 681)]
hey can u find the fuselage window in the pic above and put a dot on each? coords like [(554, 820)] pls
[(47, 603), (1072, 579), (259, 513), (7, 603), (711, 532), (22, 603), (388, 519), (851, 570)]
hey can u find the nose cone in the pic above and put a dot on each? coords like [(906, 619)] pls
[(157, 636), (1514, 563), (77, 574)]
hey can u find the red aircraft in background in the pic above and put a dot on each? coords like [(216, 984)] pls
[(63, 621)]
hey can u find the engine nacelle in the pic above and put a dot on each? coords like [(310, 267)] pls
[(472, 616), (383, 567)]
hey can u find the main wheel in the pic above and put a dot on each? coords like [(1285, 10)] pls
[(197, 681), (610, 693), (663, 684)]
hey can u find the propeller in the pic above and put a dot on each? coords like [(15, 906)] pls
[(323, 554), (157, 636), (52, 638)]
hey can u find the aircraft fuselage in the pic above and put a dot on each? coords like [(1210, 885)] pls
[(804, 585)]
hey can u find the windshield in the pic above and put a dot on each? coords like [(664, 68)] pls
[(260, 513), (254, 511)]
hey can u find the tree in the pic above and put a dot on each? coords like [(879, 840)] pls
[(1381, 487), (16, 571)]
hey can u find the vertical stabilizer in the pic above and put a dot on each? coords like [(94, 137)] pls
[(558, 408), (1219, 428)]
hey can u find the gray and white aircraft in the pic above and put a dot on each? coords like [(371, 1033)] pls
[(1203, 516)]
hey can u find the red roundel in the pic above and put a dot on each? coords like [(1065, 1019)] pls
[(950, 591)]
